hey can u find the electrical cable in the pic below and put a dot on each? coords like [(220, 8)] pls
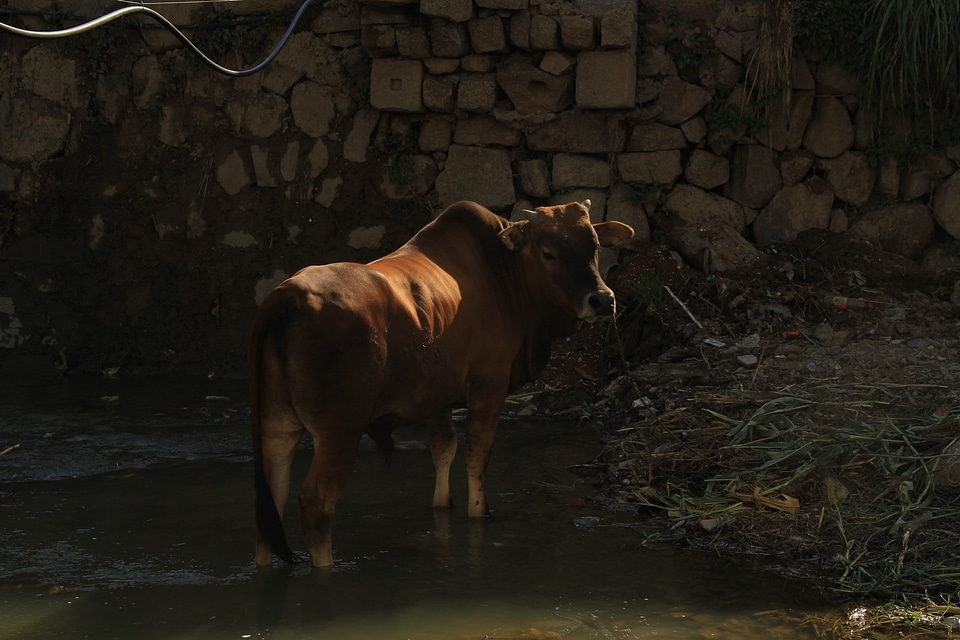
[(119, 13)]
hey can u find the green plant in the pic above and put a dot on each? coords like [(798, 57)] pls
[(396, 151), (225, 33), (355, 71), (913, 66)]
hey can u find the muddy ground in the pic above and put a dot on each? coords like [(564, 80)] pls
[(758, 417)]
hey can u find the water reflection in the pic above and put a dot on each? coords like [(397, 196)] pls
[(162, 547)]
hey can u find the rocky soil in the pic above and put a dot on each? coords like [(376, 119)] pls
[(752, 413)]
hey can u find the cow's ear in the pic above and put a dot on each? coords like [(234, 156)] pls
[(513, 237), (612, 233)]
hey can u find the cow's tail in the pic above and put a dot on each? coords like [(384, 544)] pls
[(269, 524)]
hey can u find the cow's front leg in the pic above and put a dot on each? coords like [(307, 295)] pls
[(481, 427), (443, 447)]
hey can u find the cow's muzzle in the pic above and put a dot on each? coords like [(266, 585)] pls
[(597, 304)]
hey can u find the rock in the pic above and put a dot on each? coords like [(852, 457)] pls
[(328, 192), (261, 167), (358, 140), (572, 170), (544, 33), (577, 33), (484, 130), (788, 122), (415, 179), (439, 94), (318, 159), (888, 177), (487, 34), (792, 210), (922, 177), (653, 136), (478, 174), (396, 85), (795, 165), (448, 39), (51, 76), (606, 80), (435, 135), (715, 248), (260, 115), (654, 167), (366, 237), (535, 178), (904, 229), (33, 129), (681, 100), (706, 170), (754, 177), (851, 177), (834, 79), (624, 207), (946, 205), (580, 133), (232, 174), (532, 90), (312, 108), (477, 92), (831, 131), (452, 10), (412, 41), (690, 205), (656, 61)]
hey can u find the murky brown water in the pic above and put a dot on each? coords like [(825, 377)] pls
[(130, 518)]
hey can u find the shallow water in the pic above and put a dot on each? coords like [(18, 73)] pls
[(125, 513)]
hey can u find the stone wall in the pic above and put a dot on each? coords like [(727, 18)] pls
[(148, 203)]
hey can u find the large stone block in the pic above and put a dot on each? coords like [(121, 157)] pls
[(477, 92), (654, 167), (690, 205), (681, 100), (535, 178), (572, 170), (396, 85), (532, 90), (312, 108), (831, 132), (483, 130), (449, 39), (453, 10), (794, 209), (440, 94), (587, 133), (544, 33), (606, 80), (478, 174), (754, 176), (577, 33), (487, 35), (412, 42)]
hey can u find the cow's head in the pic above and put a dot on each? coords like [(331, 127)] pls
[(560, 247)]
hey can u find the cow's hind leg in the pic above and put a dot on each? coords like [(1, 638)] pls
[(333, 456), (443, 447), (279, 440)]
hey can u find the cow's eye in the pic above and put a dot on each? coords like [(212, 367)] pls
[(547, 255)]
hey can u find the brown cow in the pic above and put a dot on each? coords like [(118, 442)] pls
[(464, 312)]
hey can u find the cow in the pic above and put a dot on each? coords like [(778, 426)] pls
[(462, 314)]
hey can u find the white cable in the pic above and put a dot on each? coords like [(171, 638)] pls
[(113, 15)]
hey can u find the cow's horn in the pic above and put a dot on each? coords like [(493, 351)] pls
[(530, 212), (586, 204)]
